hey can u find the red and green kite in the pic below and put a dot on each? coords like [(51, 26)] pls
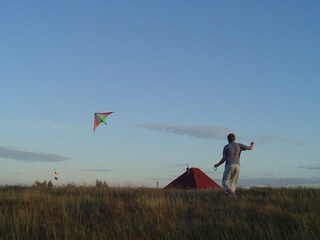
[(100, 118)]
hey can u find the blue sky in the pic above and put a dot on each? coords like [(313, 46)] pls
[(179, 75)]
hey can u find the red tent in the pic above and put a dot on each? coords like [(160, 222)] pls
[(193, 178)]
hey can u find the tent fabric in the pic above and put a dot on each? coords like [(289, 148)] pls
[(193, 178)]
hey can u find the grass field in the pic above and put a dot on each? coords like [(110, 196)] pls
[(78, 212)]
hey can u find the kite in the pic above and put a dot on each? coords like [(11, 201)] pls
[(55, 174), (99, 118)]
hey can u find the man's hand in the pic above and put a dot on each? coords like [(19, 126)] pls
[(251, 146)]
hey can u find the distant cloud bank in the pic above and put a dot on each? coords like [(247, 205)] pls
[(28, 156), (279, 182), (205, 132)]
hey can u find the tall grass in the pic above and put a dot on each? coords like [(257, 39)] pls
[(131, 213)]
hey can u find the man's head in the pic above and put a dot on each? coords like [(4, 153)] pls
[(231, 137)]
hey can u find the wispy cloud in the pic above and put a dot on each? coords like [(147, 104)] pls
[(178, 165), (96, 170), (216, 133), (29, 156), (271, 138), (45, 124), (311, 167), (205, 132)]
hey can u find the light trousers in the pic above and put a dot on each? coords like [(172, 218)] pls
[(230, 177)]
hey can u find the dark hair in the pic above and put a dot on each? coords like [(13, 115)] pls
[(231, 137)]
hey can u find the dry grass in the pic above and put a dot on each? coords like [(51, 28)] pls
[(130, 213)]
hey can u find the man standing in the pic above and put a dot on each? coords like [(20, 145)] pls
[(231, 155)]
